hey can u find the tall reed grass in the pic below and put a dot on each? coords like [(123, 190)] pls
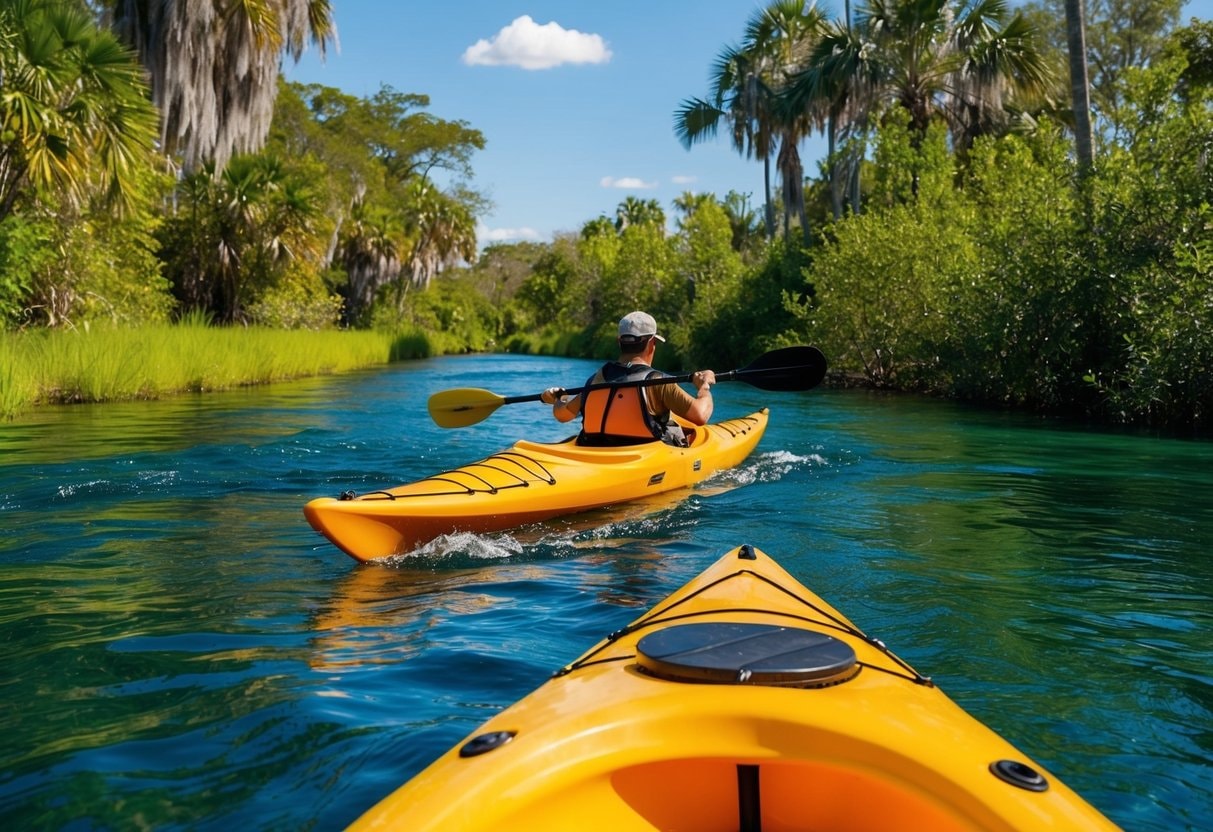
[(106, 364)]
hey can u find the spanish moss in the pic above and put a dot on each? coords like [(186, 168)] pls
[(214, 67)]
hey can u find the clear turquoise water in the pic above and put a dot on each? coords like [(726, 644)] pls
[(181, 651)]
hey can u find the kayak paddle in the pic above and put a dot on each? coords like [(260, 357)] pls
[(785, 369)]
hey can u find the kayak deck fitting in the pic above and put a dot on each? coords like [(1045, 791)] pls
[(742, 701), (527, 483)]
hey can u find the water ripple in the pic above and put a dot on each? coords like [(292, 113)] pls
[(182, 651)]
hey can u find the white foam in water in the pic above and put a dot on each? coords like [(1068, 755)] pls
[(70, 490), (768, 467), (628, 521), (157, 477), (482, 547)]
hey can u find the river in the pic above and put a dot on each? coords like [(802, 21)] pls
[(182, 651)]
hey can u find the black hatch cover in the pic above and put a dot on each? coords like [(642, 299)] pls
[(737, 653)]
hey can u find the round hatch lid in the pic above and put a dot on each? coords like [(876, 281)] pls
[(736, 653)]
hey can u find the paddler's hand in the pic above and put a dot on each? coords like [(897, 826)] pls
[(553, 395), (701, 406)]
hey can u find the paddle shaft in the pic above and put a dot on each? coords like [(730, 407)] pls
[(785, 369), (731, 375), (606, 385)]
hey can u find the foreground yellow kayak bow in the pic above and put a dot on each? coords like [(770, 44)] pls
[(742, 701)]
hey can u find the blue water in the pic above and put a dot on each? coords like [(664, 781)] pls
[(183, 652)]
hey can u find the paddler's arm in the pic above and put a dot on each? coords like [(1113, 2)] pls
[(701, 406), (565, 410)]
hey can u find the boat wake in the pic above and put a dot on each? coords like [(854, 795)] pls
[(558, 538), (461, 546), (659, 517), (768, 467)]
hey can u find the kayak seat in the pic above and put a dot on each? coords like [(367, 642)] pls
[(602, 440)]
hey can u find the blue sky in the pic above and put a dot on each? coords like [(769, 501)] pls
[(576, 100)]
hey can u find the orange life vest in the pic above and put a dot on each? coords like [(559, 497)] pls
[(619, 415)]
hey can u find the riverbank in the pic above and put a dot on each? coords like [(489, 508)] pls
[(107, 364)]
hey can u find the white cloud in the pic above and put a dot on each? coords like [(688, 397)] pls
[(631, 183), (527, 44), (487, 235), (683, 180)]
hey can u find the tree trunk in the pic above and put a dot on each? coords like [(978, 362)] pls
[(831, 154), (1080, 90), (856, 165), (770, 206)]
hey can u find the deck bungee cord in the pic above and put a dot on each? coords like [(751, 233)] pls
[(663, 616)]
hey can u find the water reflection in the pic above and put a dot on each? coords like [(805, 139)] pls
[(183, 651), (381, 615)]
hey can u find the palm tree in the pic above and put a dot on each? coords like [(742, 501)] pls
[(636, 211), (600, 226), (785, 34), (441, 232), (741, 97), (214, 67), (747, 82), (839, 78), (74, 117), (1080, 88), (370, 255), (933, 58), (688, 202), (237, 233)]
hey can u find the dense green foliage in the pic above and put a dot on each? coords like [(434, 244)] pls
[(76, 168), (947, 245), (1000, 290)]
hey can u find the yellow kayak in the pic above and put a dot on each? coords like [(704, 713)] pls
[(527, 483), (742, 701)]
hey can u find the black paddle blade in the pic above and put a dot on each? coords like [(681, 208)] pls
[(787, 369)]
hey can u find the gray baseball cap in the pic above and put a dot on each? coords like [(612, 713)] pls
[(635, 326)]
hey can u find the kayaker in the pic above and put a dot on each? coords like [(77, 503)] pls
[(626, 415)]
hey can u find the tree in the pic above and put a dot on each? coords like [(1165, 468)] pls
[(1157, 221), (1118, 35), (74, 119), (741, 97), (1195, 41), (214, 67), (1080, 87), (545, 294), (747, 82), (377, 159), (687, 203), (1122, 35), (707, 262), (343, 136), (238, 232), (962, 62), (785, 33), (742, 220), (370, 255), (440, 229), (839, 77), (634, 211), (639, 274)]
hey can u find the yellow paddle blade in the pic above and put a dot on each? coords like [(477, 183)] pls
[(463, 407)]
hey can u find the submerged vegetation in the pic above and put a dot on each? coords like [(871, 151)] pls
[(960, 238)]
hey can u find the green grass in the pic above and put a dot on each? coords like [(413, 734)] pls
[(106, 364)]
